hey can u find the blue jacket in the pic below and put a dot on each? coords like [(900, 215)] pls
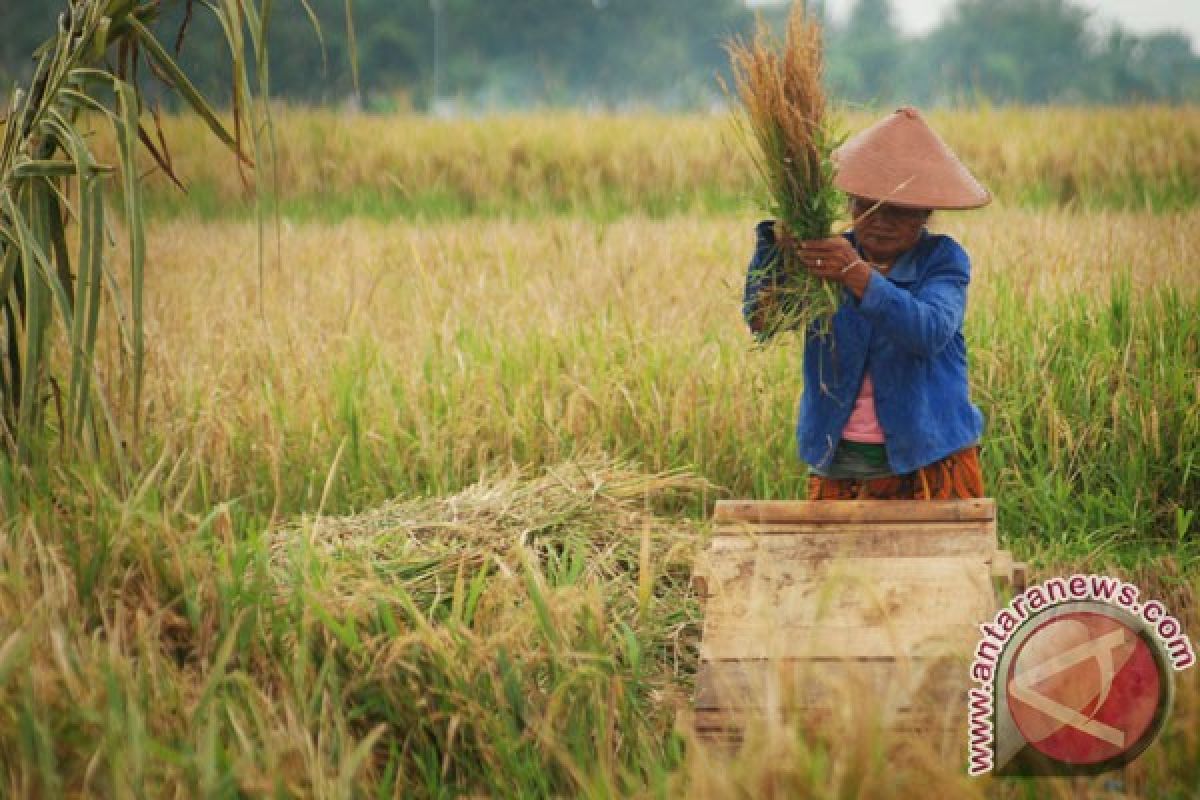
[(907, 329)]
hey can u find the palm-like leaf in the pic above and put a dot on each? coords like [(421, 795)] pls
[(50, 295)]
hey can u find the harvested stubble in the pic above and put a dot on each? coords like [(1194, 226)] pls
[(535, 632), (788, 131), (532, 635), (592, 514)]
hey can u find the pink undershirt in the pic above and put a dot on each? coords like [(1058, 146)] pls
[(863, 425)]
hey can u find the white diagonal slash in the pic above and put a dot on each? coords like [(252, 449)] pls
[(1101, 649)]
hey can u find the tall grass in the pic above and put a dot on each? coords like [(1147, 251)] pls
[(434, 352), (333, 166), (87, 74), (424, 526), (531, 636), (487, 640)]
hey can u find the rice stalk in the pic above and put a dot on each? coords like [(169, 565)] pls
[(52, 306), (791, 141)]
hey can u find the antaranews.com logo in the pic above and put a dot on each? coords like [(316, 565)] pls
[(1075, 676)]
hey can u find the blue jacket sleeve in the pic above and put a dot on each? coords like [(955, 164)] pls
[(762, 272), (926, 319)]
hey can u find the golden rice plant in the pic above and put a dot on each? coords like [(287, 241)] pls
[(791, 138), (602, 166)]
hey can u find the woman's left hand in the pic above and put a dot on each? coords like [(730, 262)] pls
[(835, 259), (826, 258)]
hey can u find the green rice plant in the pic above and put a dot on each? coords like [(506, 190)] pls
[(94, 67), (792, 141)]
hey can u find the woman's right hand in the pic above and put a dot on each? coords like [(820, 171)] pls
[(765, 308), (783, 237)]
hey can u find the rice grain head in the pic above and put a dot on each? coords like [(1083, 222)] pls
[(790, 137)]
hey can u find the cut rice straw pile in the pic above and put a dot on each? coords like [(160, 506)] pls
[(790, 138)]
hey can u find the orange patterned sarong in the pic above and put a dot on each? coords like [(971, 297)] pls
[(957, 476)]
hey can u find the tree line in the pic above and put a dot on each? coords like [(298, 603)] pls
[(668, 54), (1008, 51)]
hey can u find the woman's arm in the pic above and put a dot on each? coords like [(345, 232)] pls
[(921, 321), (926, 320), (759, 300)]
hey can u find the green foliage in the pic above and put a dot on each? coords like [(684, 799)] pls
[(865, 52), (519, 53), (808, 209), (616, 52), (1102, 458), (430, 649), (531, 635), (1009, 51), (50, 178)]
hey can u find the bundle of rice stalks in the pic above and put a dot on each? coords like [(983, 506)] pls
[(791, 141), (507, 633), (601, 511)]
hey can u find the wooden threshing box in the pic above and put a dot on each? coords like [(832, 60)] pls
[(835, 608)]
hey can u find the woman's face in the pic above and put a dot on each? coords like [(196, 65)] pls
[(885, 232)]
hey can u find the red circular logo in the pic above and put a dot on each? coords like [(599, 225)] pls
[(1084, 688)]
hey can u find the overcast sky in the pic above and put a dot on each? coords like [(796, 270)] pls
[(1139, 16)]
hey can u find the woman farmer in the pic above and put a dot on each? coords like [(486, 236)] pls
[(885, 411)]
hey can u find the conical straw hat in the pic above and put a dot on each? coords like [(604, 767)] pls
[(901, 161)]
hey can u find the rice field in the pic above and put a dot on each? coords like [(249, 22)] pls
[(417, 494), (330, 166)]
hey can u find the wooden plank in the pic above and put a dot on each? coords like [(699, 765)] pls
[(724, 742), (843, 609), (886, 539), (802, 606), (807, 683), (767, 562), (929, 528), (731, 725), (758, 640), (758, 589), (762, 511), (925, 722), (738, 527)]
